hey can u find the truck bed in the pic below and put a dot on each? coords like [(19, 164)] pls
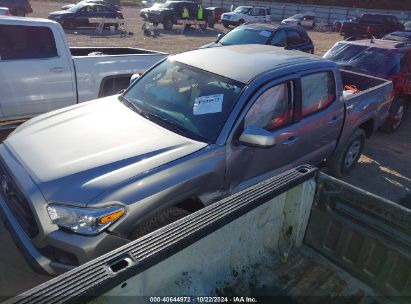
[(309, 274), (374, 94)]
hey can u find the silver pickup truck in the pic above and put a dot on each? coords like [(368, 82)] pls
[(80, 181)]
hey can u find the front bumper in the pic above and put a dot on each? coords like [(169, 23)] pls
[(229, 22), (48, 249)]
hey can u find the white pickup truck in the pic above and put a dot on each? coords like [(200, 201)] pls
[(40, 73)]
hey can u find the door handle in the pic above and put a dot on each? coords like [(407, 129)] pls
[(333, 121), (291, 140), (58, 69)]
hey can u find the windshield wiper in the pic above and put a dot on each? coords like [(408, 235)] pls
[(176, 127)]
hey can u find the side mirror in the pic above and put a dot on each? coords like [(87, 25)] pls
[(257, 137), (133, 78), (219, 36)]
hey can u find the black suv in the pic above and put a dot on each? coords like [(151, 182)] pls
[(17, 7), (169, 12)]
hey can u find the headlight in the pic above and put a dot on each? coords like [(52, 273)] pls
[(228, 17), (87, 221)]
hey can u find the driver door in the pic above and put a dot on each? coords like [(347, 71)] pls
[(272, 111)]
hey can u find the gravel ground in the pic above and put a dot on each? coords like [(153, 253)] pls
[(384, 168)]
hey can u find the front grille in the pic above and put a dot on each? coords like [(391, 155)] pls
[(17, 202)]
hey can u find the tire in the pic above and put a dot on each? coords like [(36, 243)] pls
[(168, 24), (345, 159), (211, 22), (158, 220), (397, 112), (20, 12), (226, 25), (241, 21), (69, 24)]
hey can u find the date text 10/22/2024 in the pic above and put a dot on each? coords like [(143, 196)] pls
[(199, 299)]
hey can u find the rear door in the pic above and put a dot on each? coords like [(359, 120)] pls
[(320, 115), (35, 76), (406, 70)]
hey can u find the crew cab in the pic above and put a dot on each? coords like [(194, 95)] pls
[(80, 181), (40, 73), (376, 25), (244, 14), (387, 59)]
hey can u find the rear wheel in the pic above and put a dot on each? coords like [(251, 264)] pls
[(69, 24), (397, 112), (344, 160), (161, 219), (211, 21), (168, 24)]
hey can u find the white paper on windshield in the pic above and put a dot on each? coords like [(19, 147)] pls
[(265, 33), (208, 104)]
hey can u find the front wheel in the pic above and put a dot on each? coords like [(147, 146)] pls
[(345, 159), (225, 24), (20, 12)]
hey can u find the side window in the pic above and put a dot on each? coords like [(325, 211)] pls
[(272, 109), (293, 38), (26, 42), (279, 39), (318, 91)]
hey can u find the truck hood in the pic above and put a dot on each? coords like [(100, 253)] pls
[(76, 153)]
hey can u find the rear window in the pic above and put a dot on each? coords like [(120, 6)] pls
[(318, 92), (246, 36), (364, 59), (26, 42)]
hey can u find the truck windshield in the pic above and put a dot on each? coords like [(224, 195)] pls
[(363, 58), (242, 10), (246, 36), (184, 99)]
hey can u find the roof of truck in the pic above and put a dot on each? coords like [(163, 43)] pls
[(245, 62)]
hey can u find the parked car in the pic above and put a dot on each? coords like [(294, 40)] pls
[(382, 58), (187, 133), (306, 20), (337, 24), (170, 12), (286, 36), (4, 11), (407, 26), (40, 73), (217, 12), (244, 14), (399, 36), (103, 2), (79, 15), (376, 25), (17, 7)]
